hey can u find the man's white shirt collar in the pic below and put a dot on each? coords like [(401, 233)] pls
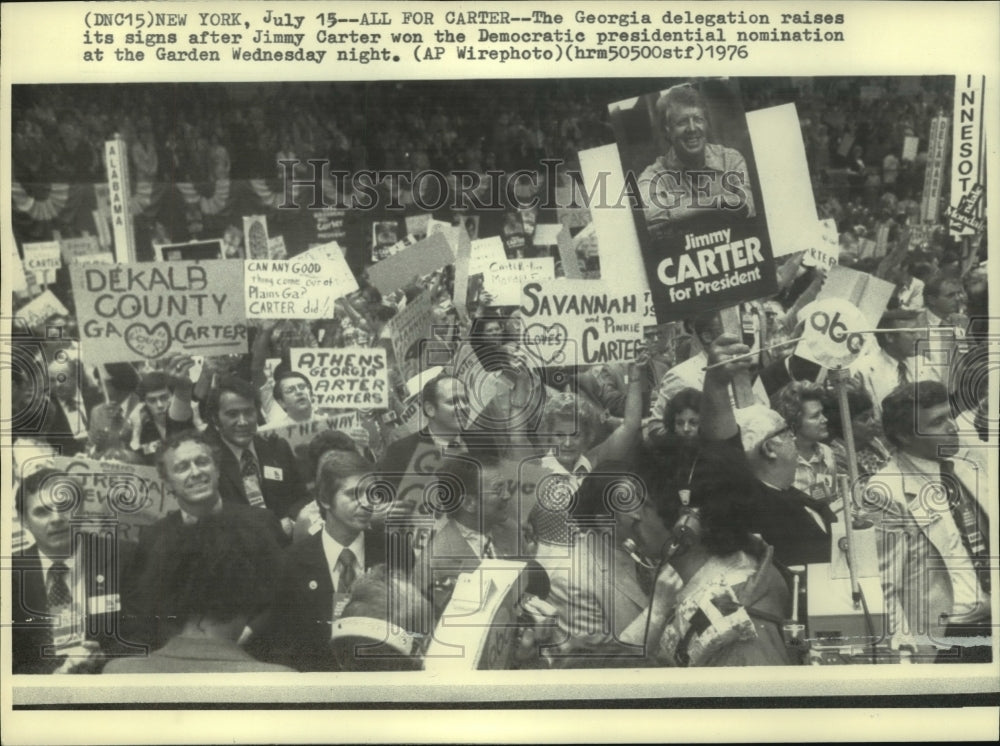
[(332, 549)]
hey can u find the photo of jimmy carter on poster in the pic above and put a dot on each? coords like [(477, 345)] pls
[(689, 170)]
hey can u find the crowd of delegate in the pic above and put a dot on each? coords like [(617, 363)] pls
[(315, 558)]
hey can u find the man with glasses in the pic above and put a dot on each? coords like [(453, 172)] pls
[(481, 526), (293, 393), (759, 440)]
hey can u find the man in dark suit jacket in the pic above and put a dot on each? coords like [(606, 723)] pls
[(253, 470), (757, 441), (445, 406), (480, 526), (57, 416), (66, 575), (188, 467), (319, 571)]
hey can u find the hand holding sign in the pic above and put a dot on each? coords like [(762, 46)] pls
[(833, 334), (728, 357)]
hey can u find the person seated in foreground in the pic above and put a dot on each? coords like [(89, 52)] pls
[(214, 576), (732, 603)]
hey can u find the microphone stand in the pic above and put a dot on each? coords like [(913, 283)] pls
[(847, 484)]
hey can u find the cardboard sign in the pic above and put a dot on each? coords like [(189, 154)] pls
[(192, 251), (385, 239), (784, 176), (937, 152), (910, 145), (345, 377), (42, 259), (300, 434), (139, 312), (255, 237), (416, 225), (867, 293), (329, 223), (702, 228), (19, 283), (134, 494), (580, 322), (825, 249), (116, 166), (966, 212), (419, 259), (504, 279), (548, 234), (833, 335), (409, 326), (304, 287), (101, 257), (461, 244), (74, 248), (39, 309), (484, 252), (276, 247), (439, 226)]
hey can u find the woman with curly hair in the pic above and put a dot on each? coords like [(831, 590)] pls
[(801, 404)]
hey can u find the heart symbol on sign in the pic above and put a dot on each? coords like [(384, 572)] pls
[(150, 343), (546, 342)]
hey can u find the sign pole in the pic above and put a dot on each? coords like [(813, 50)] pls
[(119, 193), (731, 324)]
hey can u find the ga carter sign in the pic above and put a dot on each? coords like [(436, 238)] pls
[(132, 312)]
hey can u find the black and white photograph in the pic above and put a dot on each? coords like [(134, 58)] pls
[(339, 366)]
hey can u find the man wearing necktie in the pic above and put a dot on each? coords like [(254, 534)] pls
[(934, 555), (900, 356), (70, 402), (479, 527), (254, 470), (319, 571), (64, 588), (945, 299)]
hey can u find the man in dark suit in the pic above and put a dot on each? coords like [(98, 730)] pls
[(445, 406), (56, 414), (480, 527), (320, 570), (253, 470), (189, 468), (758, 443), (64, 588)]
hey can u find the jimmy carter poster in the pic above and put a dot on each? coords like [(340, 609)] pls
[(691, 179)]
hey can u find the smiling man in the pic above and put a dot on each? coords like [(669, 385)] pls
[(695, 177), (253, 470), (189, 469)]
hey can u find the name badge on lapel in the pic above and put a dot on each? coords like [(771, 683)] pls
[(109, 604), (274, 473), (254, 495), (340, 600)]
